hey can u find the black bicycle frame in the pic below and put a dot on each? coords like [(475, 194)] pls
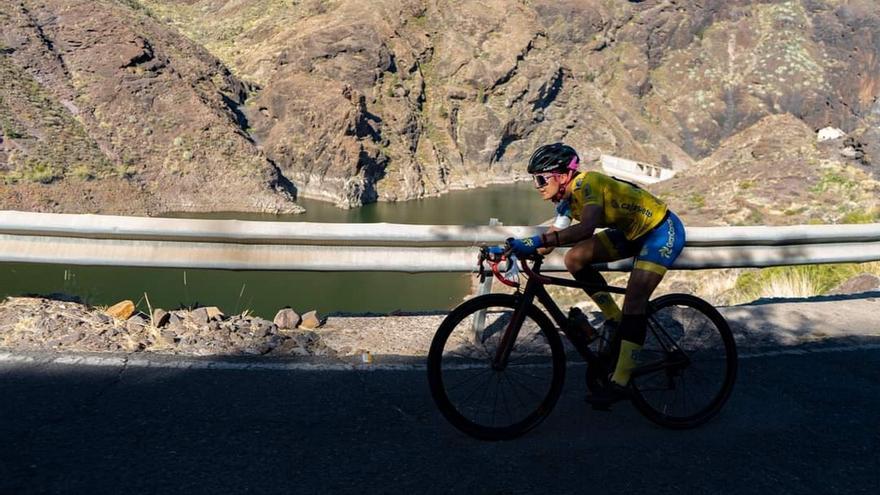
[(535, 289)]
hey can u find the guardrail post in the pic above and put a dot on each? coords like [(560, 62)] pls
[(485, 287)]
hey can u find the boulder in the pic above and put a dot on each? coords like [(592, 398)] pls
[(829, 133), (163, 338), (214, 313), (175, 320), (121, 310), (200, 316), (310, 320), (860, 283), (160, 317), (206, 314), (136, 323), (287, 319), (260, 328)]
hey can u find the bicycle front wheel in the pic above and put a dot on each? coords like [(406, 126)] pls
[(480, 399), (688, 363)]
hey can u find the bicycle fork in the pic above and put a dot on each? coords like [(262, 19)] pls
[(508, 338)]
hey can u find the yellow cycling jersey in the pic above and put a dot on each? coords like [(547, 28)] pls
[(625, 206)]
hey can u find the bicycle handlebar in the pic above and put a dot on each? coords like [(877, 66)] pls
[(497, 257)]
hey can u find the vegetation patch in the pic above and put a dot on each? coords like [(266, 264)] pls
[(48, 142), (871, 216), (697, 200), (797, 281)]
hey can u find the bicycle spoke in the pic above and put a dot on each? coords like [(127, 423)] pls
[(459, 355), (485, 391), (513, 387), (468, 378), (486, 394), (684, 393), (519, 360), (504, 396), (495, 404), (523, 373), (698, 374), (528, 389)]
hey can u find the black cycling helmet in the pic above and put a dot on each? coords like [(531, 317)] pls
[(554, 157)]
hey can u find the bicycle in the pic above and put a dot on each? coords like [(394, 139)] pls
[(512, 350)]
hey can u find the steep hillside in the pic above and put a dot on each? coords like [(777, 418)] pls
[(395, 99), (353, 101), (105, 109), (774, 173)]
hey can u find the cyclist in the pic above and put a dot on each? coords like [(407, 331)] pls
[(637, 224)]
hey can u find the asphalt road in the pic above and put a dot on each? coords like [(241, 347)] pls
[(797, 423)]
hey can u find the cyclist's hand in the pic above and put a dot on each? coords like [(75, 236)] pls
[(526, 246)]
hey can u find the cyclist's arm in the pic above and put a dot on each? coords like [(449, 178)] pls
[(590, 216)]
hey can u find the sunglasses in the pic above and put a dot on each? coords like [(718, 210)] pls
[(541, 179)]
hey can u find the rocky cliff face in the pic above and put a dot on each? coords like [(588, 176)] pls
[(105, 109), (396, 99)]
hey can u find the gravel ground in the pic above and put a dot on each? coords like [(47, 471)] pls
[(40, 324), (35, 324)]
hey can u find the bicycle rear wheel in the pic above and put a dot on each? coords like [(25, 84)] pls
[(691, 355), (488, 403)]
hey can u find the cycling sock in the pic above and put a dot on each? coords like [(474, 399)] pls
[(632, 338), (602, 298)]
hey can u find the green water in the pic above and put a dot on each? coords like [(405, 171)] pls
[(265, 292), (512, 204)]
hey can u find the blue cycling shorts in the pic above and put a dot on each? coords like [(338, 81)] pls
[(654, 251)]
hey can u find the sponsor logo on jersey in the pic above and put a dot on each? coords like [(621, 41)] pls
[(632, 207), (666, 251)]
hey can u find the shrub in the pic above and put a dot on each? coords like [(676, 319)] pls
[(861, 217), (41, 172), (83, 172), (798, 280)]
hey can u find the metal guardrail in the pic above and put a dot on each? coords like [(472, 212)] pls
[(248, 245)]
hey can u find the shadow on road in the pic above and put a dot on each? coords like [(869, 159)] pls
[(803, 421)]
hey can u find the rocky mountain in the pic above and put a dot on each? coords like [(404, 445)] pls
[(774, 173), (103, 108), (354, 102)]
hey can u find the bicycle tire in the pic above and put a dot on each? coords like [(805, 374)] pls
[(710, 343), (449, 359)]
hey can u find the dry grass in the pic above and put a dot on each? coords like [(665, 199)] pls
[(726, 287), (789, 284)]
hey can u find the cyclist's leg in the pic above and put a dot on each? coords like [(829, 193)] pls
[(600, 248), (660, 248), (633, 325)]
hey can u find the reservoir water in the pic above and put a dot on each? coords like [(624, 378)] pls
[(265, 292)]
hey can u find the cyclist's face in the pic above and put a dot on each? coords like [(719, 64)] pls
[(547, 184)]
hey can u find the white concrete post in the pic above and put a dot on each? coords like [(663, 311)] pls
[(485, 287)]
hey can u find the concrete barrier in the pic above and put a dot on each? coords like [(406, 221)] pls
[(245, 245)]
